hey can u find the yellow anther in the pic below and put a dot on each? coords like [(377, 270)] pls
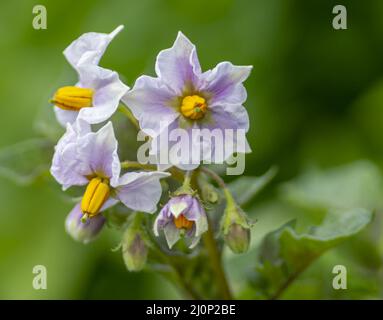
[(182, 223), (73, 98), (96, 193), (193, 107)]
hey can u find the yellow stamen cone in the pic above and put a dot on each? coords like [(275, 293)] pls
[(193, 107), (96, 194), (73, 98)]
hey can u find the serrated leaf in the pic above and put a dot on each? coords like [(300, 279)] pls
[(245, 188), (285, 254), (26, 161), (359, 184)]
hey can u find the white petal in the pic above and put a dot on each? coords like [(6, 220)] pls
[(98, 151), (89, 47), (149, 101), (108, 92), (140, 191), (224, 83), (67, 167), (179, 65), (172, 234)]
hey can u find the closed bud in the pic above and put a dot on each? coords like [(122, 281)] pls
[(236, 226), (134, 248), (83, 231), (238, 238)]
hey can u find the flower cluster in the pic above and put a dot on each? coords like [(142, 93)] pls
[(181, 96)]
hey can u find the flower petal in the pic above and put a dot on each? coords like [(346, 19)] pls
[(89, 47), (172, 234), (98, 151), (65, 116), (149, 101), (224, 83), (197, 214), (178, 66), (67, 167), (140, 191), (162, 219)]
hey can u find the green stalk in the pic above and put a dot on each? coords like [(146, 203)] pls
[(127, 113), (212, 247)]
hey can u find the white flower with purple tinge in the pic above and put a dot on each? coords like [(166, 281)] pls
[(182, 96), (182, 215), (96, 96), (83, 157)]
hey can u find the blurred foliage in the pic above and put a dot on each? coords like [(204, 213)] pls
[(314, 99)]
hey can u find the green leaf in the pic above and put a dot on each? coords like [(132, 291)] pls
[(285, 254), (246, 188), (359, 184), (24, 162)]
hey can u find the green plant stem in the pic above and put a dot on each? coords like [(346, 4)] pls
[(136, 165), (291, 279), (127, 113), (128, 164), (216, 261), (212, 247), (187, 288)]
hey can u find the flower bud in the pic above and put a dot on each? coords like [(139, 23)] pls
[(83, 231), (238, 238), (134, 248), (235, 226), (182, 217)]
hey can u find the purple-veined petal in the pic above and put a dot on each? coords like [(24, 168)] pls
[(140, 191), (161, 220), (89, 47), (178, 66), (67, 167), (98, 151), (149, 101), (197, 213), (224, 83)]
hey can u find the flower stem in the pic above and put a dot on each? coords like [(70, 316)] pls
[(212, 246), (216, 261), (124, 110), (127, 164), (214, 176)]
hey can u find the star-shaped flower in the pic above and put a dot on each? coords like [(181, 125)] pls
[(182, 96), (83, 157)]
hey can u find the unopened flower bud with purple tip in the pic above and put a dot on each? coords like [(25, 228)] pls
[(80, 230), (134, 247), (235, 226), (182, 216)]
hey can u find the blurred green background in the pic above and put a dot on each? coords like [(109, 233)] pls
[(315, 99)]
